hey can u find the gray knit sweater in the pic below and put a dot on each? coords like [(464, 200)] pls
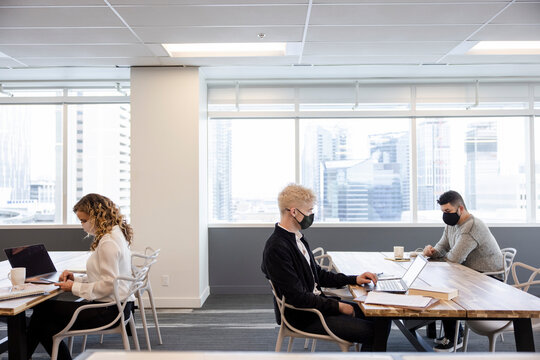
[(472, 245)]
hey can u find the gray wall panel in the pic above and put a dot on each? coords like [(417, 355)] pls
[(235, 253), (54, 239)]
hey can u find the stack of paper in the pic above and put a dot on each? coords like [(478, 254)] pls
[(409, 301), (17, 291)]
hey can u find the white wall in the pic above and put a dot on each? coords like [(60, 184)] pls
[(168, 180)]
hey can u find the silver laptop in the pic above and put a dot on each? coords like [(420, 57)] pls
[(35, 258), (402, 284)]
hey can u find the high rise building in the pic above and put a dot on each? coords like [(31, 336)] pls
[(220, 166)]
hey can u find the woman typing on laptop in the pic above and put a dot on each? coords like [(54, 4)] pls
[(110, 258)]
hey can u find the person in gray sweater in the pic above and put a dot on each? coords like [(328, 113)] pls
[(466, 240)]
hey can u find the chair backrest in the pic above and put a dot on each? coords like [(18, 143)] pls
[(146, 261), (531, 281), (322, 259), (508, 257)]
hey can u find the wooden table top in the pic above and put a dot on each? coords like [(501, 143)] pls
[(480, 296), (63, 260)]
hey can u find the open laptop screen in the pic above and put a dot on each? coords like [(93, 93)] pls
[(414, 270), (34, 258)]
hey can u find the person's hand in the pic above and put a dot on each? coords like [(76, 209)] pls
[(366, 278), (346, 309), (65, 285), (66, 275), (429, 250)]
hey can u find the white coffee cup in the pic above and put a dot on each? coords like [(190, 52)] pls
[(398, 252), (17, 275)]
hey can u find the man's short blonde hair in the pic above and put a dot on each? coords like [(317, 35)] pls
[(294, 195)]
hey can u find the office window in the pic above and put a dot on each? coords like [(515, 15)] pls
[(359, 168), (249, 162), (481, 158), (99, 153), (30, 164)]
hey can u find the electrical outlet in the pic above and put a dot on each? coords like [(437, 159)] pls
[(164, 280)]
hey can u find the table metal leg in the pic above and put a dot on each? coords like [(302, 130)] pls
[(17, 337), (408, 328), (524, 335)]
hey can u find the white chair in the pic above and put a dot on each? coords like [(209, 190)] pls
[(134, 285), (508, 259), (146, 261), (287, 330), (493, 328)]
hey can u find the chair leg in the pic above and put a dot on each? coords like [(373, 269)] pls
[(83, 346), (143, 318), (289, 347), (101, 339), (344, 347), (456, 336), (465, 337), (55, 346), (357, 347), (279, 340), (134, 333), (313, 345), (492, 342), (154, 312), (306, 343)]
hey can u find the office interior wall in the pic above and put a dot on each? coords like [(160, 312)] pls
[(166, 180), (236, 253)]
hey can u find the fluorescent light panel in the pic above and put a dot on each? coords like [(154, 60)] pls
[(505, 48), (226, 49)]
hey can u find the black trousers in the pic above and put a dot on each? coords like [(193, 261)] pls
[(356, 329), (51, 316)]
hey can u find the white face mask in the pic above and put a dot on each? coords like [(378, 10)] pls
[(89, 227)]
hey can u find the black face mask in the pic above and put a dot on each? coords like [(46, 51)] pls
[(450, 218), (306, 221)]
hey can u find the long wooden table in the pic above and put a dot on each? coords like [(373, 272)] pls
[(480, 296), (15, 309)]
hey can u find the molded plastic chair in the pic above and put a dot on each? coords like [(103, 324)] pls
[(508, 256), (493, 328), (110, 328), (147, 260), (287, 330)]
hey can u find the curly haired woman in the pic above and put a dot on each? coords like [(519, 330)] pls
[(110, 258)]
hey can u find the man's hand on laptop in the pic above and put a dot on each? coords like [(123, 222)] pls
[(366, 278), (66, 275), (429, 251), (65, 285)]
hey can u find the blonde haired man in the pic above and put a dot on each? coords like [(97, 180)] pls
[(288, 262)]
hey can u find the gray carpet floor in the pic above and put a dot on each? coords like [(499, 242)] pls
[(241, 323)]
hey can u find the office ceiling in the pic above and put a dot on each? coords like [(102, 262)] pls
[(111, 33)]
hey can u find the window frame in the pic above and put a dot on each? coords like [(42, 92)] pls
[(64, 100)]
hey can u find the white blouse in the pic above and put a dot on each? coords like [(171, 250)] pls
[(110, 259)]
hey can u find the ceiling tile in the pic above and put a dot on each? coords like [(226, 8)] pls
[(390, 33), (213, 15), (202, 2), (508, 33), (57, 17), (399, 1), (376, 49), (522, 13), (119, 61), (187, 34), (51, 2), (7, 62), (75, 51), (64, 36), (410, 14)]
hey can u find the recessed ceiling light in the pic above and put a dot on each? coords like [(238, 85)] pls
[(505, 48), (226, 49)]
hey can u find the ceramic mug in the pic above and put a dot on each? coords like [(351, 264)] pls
[(398, 252), (17, 276)]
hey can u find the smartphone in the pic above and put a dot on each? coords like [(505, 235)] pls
[(47, 280)]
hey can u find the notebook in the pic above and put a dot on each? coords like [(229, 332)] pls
[(17, 291), (401, 285), (35, 259)]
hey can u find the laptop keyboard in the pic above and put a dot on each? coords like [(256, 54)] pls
[(390, 285)]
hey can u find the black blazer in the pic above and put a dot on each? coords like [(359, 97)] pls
[(292, 276)]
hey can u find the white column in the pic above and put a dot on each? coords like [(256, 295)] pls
[(168, 180)]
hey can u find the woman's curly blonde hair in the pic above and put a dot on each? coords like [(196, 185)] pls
[(105, 215)]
